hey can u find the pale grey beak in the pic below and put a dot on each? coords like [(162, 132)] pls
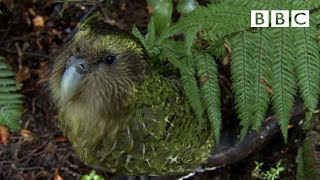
[(75, 71)]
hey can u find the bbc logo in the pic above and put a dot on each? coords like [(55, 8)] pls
[(280, 18)]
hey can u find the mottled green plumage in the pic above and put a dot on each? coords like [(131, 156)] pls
[(124, 117)]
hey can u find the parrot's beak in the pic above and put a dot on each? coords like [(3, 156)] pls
[(75, 71)]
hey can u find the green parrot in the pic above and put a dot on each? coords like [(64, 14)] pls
[(119, 114)]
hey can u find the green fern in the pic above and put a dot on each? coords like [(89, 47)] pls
[(190, 84), (308, 64), (209, 89), (212, 18), (10, 102), (242, 66), (261, 74), (267, 64), (283, 81)]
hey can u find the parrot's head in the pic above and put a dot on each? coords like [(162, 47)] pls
[(100, 68)]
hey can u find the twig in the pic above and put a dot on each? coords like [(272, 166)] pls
[(20, 54), (34, 152), (29, 168)]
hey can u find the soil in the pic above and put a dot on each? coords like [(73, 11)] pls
[(31, 33)]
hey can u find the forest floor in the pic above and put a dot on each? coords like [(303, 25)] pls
[(31, 33)]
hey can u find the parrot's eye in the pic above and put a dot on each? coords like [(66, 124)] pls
[(110, 59)]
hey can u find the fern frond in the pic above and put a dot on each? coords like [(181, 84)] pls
[(209, 88), (151, 34), (6, 73), (226, 17), (150, 40), (307, 64), (139, 36), (265, 62), (10, 101), (189, 40), (262, 76), (173, 51), (192, 91), (212, 17), (283, 79), (242, 69)]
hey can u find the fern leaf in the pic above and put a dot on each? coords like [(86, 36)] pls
[(139, 36), (209, 88), (308, 64), (6, 73), (151, 34), (283, 80), (190, 84), (149, 42), (12, 96), (256, 55), (262, 76), (173, 51), (10, 102), (212, 18), (5, 82), (242, 68)]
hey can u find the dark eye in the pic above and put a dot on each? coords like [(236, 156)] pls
[(110, 59)]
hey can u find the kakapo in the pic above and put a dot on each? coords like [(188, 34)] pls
[(119, 114)]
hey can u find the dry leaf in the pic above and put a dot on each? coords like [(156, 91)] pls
[(57, 175), (4, 134), (226, 59), (269, 90), (27, 135), (23, 74), (32, 12), (204, 79), (149, 9), (42, 174), (60, 139), (43, 70), (38, 22), (268, 87)]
